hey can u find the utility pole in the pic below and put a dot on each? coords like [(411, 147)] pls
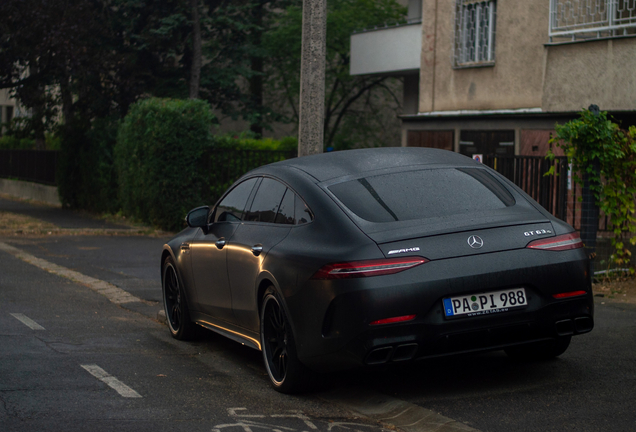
[(312, 78)]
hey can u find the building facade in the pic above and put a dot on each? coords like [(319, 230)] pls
[(494, 76), (7, 109)]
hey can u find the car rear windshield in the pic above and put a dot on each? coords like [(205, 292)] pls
[(422, 194)]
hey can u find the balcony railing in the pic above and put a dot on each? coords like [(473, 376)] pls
[(576, 20)]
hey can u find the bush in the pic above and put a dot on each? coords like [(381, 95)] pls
[(246, 142), (11, 142), (86, 174), (158, 148), (600, 152)]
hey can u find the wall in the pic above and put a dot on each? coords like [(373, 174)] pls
[(389, 50), (515, 81), (31, 191), (599, 72)]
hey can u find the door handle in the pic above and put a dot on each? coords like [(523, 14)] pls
[(257, 249), (220, 243)]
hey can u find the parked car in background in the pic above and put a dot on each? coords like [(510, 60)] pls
[(377, 256)]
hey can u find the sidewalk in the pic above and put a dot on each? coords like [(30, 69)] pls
[(114, 253), (61, 218)]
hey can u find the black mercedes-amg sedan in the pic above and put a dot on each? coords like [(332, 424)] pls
[(377, 256)]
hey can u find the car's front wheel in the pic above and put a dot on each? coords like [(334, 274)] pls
[(175, 304), (539, 350), (286, 373)]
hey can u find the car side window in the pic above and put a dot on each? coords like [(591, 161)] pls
[(231, 208), (266, 202), (293, 210), (301, 211), (286, 211)]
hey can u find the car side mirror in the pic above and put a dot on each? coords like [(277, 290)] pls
[(198, 217)]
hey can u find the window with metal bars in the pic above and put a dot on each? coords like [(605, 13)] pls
[(572, 20), (474, 33)]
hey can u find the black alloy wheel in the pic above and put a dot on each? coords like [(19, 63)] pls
[(177, 314), (286, 373)]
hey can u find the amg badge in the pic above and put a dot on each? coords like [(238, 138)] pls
[(398, 251)]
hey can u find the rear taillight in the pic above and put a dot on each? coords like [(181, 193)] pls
[(358, 269), (558, 243)]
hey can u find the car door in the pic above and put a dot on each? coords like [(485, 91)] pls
[(209, 253), (263, 227)]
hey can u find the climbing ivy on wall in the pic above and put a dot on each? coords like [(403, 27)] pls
[(605, 154)]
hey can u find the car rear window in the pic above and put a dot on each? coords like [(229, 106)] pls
[(422, 194)]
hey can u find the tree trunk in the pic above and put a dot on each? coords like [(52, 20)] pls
[(312, 78), (195, 73), (256, 80), (38, 109), (67, 100)]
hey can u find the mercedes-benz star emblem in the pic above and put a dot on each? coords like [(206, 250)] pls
[(475, 242)]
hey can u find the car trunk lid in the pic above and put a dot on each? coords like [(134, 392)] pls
[(474, 241)]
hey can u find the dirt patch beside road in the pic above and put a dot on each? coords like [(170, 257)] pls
[(616, 291), (12, 223)]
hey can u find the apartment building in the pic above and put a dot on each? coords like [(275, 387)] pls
[(7, 108), (494, 76)]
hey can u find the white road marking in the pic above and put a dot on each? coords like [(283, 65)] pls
[(248, 425), (298, 415), (110, 291), (27, 321), (233, 413), (403, 415), (112, 382)]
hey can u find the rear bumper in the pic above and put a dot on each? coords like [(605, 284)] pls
[(334, 332)]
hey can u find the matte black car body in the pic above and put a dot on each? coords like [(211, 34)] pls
[(331, 318)]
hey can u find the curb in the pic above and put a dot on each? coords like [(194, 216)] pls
[(161, 316)]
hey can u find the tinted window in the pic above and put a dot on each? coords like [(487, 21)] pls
[(286, 211), (293, 210), (232, 206), (422, 194), (266, 202), (302, 212)]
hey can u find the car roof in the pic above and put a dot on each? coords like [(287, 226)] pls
[(326, 166)]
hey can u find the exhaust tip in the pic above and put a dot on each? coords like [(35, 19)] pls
[(583, 324), (379, 356), (564, 328), (404, 352)]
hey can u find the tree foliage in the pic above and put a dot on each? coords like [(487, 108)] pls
[(94, 58), (599, 149), (345, 94)]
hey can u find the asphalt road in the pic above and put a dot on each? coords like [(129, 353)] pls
[(73, 361), (46, 381), (591, 387)]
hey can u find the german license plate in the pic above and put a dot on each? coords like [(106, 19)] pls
[(485, 303)]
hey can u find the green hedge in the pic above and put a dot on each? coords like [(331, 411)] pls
[(159, 146), (233, 155), (242, 142)]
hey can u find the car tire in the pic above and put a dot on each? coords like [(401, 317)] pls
[(286, 373), (544, 350), (175, 304)]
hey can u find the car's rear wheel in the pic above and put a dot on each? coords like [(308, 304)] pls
[(539, 350), (286, 373), (176, 307)]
